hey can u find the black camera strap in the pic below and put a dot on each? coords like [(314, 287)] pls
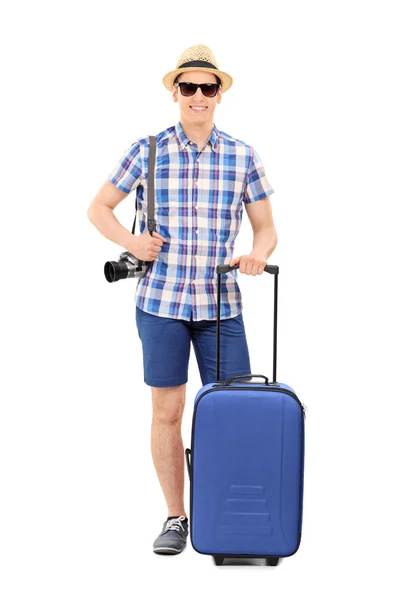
[(150, 188)]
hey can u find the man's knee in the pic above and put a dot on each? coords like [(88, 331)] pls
[(168, 403)]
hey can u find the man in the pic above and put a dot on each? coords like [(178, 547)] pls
[(202, 177)]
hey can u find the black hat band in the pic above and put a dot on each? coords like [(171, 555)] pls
[(197, 63)]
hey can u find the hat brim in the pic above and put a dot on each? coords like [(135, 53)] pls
[(226, 80)]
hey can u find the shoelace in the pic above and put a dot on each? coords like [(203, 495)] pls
[(175, 524)]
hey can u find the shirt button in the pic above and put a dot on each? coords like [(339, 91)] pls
[(197, 231), (196, 207), (196, 183)]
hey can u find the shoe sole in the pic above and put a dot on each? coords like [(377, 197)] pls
[(167, 550)]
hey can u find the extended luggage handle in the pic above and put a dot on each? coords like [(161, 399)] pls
[(226, 268), (223, 268)]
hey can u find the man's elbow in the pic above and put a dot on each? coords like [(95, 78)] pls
[(90, 213), (272, 234), (274, 239)]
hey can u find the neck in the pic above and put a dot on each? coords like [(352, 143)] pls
[(198, 133)]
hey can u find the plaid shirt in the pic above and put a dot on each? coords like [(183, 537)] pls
[(198, 209)]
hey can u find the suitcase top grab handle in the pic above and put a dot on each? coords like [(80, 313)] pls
[(228, 381), (273, 270)]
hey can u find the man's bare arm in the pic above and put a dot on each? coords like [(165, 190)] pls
[(100, 213)]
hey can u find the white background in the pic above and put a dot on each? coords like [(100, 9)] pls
[(315, 91)]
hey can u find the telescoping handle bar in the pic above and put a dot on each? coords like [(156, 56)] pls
[(273, 270)]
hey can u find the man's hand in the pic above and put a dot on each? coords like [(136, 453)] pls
[(250, 264), (146, 247)]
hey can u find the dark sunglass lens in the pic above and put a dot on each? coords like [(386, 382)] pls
[(209, 89), (188, 89)]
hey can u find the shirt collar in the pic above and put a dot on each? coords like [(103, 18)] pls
[(183, 140)]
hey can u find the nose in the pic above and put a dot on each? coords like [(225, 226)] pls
[(199, 97)]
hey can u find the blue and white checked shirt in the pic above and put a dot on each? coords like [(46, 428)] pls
[(198, 209)]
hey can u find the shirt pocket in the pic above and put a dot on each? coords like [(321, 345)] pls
[(224, 221)]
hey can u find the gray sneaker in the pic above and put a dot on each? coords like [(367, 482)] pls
[(172, 538)]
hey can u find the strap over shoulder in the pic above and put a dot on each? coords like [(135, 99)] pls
[(150, 188)]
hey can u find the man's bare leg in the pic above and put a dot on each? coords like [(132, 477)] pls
[(167, 445)]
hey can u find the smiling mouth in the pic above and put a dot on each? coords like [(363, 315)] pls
[(200, 109)]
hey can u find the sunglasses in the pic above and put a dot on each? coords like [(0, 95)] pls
[(208, 90)]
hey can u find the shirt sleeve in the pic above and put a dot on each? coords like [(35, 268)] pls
[(257, 185), (127, 173)]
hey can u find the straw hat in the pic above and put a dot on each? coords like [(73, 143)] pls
[(197, 58)]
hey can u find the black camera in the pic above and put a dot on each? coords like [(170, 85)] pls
[(127, 266)]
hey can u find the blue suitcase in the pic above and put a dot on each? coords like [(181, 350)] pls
[(246, 462)]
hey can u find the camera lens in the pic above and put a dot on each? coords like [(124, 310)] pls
[(114, 271)]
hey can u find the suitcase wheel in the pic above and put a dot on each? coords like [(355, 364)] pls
[(272, 561), (218, 560)]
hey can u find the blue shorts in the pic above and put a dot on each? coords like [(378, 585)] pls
[(166, 348)]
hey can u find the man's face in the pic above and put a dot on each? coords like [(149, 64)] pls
[(186, 102)]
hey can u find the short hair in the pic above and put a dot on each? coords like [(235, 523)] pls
[(177, 78)]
